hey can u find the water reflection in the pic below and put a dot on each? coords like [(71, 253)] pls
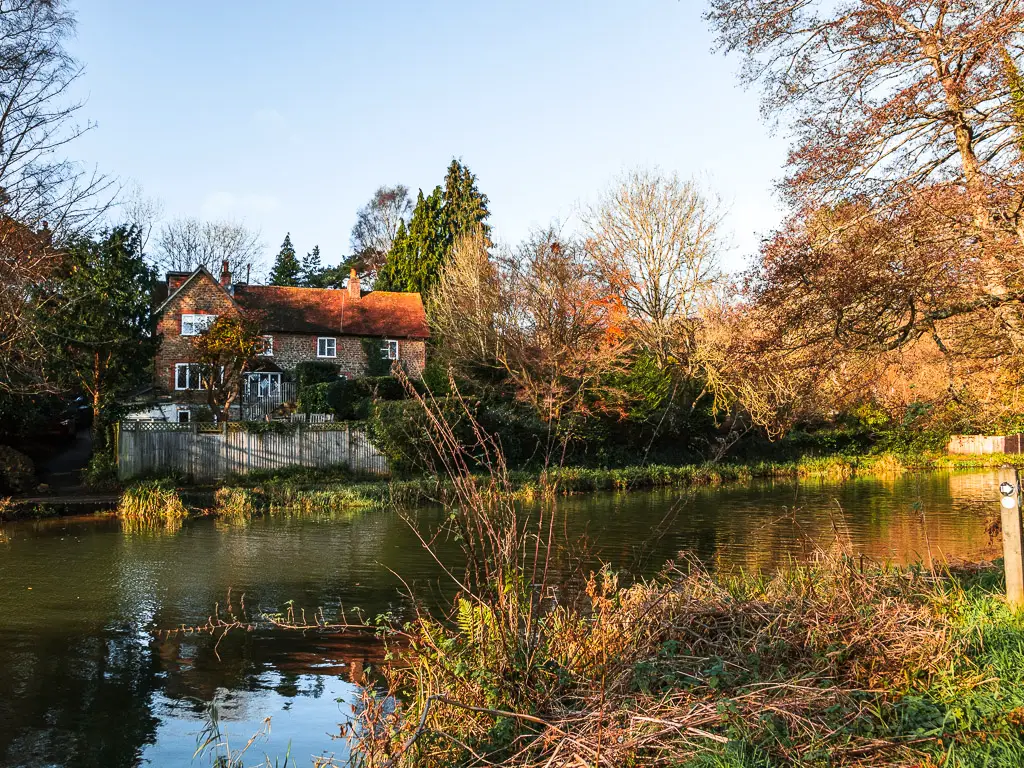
[(87, 680)]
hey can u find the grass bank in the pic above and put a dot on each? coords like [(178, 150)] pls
[(822, 665), (331, 492)]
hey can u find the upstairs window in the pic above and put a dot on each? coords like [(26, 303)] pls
[(193, 325), (389, 349), (268, 346), (326, 346)]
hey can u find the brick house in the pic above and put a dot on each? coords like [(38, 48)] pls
[(299, 324)]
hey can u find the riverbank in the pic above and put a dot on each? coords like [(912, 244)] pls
[(820, 665), (331, 491)]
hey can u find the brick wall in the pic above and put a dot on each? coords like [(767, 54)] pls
[(202, 297)]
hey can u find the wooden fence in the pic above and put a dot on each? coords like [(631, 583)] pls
[(210, 451), (985, 444)]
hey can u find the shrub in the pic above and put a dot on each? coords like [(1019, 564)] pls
[(313, 372), (101, 473), (352, 399), (316, 398), (17, 473)]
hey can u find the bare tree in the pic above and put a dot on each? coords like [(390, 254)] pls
[(464, 304), (377, 224), (139, 210), (655, 241), (185, 244), (43, 197), (560, 339)]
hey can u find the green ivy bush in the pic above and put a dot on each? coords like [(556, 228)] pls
[(312, 372), (315, 398)]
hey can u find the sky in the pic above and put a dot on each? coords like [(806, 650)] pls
[(287, 116)]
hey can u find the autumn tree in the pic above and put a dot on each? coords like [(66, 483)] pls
[(463, 307), (559, 330), (224, 353), (904, 178)]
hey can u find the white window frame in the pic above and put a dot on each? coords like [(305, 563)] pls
[(389, 349), (263, 385), (322, 346), (183, 412), (202, 385), (193, 325), (191, 369), (268, 346)]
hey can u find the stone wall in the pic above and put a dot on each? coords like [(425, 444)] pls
[(291, 349)]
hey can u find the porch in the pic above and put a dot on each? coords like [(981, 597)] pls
[(263, 394)]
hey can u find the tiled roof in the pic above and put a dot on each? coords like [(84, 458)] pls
[(334, 311)]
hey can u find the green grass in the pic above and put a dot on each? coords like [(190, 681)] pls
[(335, 490)]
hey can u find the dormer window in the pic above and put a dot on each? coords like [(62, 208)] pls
[(193, 325)]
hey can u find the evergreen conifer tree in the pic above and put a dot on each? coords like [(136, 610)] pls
[(312, 269), (287, 270), (464, 206), (438, 220)]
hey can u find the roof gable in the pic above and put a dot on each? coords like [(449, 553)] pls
[(183, 288)]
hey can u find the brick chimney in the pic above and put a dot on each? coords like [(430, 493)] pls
[(225, 273), (353, 285)]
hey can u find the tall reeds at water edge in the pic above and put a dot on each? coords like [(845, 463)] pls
[(829, 663), (151, 503)]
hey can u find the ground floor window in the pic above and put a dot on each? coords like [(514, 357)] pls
[(188, 376), (389, 349), (263, 385), (191, 376), (184, 416)]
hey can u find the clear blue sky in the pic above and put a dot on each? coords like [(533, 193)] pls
[(288, 115)]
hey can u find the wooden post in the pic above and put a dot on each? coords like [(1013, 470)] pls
[(1013, 564)]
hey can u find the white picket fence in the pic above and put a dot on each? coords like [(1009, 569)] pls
[(205, 452)]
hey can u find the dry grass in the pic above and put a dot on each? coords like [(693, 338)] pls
[(801, 667), (821, 665)]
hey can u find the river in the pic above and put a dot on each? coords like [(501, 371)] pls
[(92, 677)]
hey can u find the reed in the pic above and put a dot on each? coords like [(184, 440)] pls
[(151, 502)]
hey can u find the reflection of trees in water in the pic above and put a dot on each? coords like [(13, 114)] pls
[(289, 663), (66, 699)]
